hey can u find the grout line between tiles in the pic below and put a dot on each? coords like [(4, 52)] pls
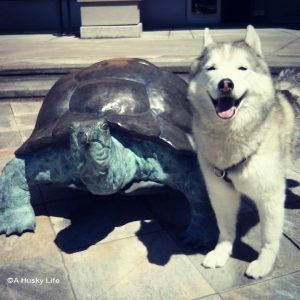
[(62, 258), (19, 131)]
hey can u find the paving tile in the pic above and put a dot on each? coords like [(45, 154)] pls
[(211, 297), (238, 33), (271, 40), (10, 139), (16, 248), (129, 269), (26, 122), (52, 280), (181, 35), (23, 53), (26, 108), (290, 50), (34, 37), (7, 121), (229, 34), (5, 108), (280, 46), (25, 134), (246, 250), (292, 221), (6, 155), (155, 35), (88, 220), (282, 288), (291, 31)]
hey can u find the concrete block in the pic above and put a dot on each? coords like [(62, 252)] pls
[(95, 13), (91, 32)]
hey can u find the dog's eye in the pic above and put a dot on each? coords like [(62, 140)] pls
[(212, 68), (242, 68)]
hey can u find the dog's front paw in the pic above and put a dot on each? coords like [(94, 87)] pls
[(215, 259), (263, 265), (218, 257), (258, 269)]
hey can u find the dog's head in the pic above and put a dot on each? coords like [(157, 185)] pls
[(231, 80)]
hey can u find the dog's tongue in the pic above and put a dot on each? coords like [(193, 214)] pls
[(227, 114), (225, 108)]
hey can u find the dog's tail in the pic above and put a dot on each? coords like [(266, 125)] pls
[(288, 83)]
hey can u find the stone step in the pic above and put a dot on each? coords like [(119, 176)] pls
[(25, 86), (27, 83)]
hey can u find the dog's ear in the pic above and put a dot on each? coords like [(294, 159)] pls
[(207, 39), (253, 40)]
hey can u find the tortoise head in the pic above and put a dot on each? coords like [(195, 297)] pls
[(91, 137)]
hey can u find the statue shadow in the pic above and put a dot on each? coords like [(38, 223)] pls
[(81, 220)]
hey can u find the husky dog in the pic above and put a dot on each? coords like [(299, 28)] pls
[(242, 127)]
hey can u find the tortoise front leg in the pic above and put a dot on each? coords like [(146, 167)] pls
[(16, 212), (182, 173), (186, 177), (202, 229)]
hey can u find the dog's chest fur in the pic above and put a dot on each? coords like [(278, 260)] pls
[(224, 147)]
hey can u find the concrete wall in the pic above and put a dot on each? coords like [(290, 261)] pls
[(17, 16), (283, 12), (29, 15), (163, 13), (39, 16)]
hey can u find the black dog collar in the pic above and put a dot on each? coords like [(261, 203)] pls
[(223, 173)]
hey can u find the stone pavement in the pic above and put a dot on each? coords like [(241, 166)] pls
[(92, 247), (30, 64), (176, 48)]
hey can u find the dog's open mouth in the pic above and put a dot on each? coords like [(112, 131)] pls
[(226, 106)]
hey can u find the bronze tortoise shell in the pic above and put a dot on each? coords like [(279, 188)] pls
[(133, 95)]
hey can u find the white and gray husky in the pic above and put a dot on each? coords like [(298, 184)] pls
[(243, 130)]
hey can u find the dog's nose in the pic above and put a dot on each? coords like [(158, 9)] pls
[(226, 85)]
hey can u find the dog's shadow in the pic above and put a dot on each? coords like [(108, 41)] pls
[(242, 250)]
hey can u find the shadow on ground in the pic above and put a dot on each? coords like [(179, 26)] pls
[(81, 220)]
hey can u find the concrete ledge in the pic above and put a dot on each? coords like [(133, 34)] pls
[(110, 13), (26, 86), (92, 32)]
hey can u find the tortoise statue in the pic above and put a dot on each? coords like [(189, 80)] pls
[(105, 128)]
